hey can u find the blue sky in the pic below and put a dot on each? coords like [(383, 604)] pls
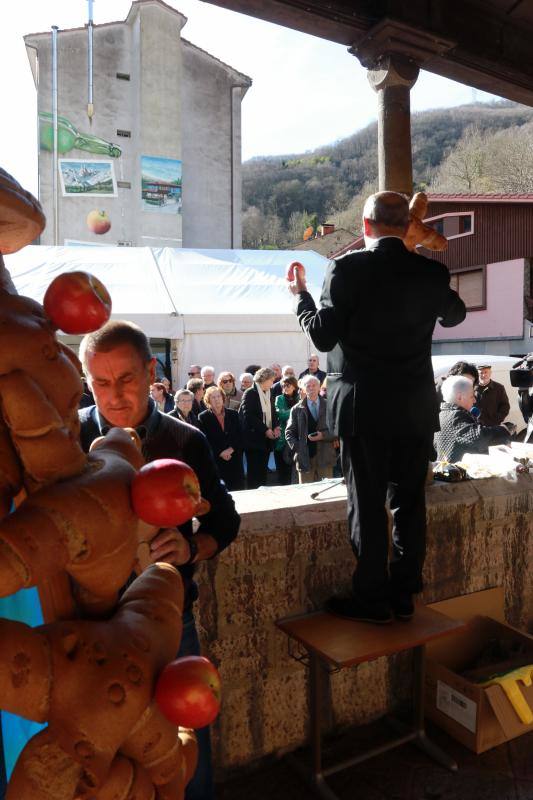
[(306, 92)]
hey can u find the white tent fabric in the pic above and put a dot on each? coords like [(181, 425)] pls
[(131, 276), (223, 307)]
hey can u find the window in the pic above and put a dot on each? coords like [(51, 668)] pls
[(453, 225), (470, 284)]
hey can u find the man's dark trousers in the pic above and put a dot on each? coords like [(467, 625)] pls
[(376, 466)]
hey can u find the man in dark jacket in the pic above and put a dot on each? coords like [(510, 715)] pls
[(313, 369), (460, 432), (491, 398), (120, 368), (378, 310)]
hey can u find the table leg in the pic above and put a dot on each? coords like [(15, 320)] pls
[(314, 776), (422, 741)]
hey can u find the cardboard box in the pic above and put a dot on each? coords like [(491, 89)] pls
[(478, 717)]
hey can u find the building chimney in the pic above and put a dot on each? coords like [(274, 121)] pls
[(327, 227)]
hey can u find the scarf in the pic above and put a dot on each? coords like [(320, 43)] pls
[(264, 399)]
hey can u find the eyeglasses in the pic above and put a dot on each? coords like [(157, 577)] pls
[(192, 374), (226, 380)]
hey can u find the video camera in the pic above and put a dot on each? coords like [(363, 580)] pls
[(522, 373), (521, 376)]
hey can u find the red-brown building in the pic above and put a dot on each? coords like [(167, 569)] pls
[(489, 255)]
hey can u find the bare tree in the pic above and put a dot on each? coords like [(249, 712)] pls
[(465, 168), (351, 217)]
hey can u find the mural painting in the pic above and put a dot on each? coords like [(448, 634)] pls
[(98, 221), (161, 184), (95, 178), (69, 138)]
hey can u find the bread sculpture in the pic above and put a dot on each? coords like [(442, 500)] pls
[(90, 671), (59, 527), (92, 682), (418, 232)]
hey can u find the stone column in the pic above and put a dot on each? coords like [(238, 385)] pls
[(392, 77)]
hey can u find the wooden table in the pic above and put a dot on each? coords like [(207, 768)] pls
[(332, 642)]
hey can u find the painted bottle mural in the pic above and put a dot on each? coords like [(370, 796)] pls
[(69, 138)]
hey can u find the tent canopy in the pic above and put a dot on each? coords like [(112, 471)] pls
[(170, 291)]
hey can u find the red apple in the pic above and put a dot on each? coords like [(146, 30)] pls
[(98, 221), (166, 493), (293, 266), (77, 302), (188, 692)]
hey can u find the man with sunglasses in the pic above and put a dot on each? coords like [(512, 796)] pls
[(194, 371)]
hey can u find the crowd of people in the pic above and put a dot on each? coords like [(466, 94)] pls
[(265, 426), (268, 416), (270, 426)]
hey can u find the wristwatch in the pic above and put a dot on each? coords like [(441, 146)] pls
[(193, 546)]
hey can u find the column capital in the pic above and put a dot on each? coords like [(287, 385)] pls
[(392, 69)]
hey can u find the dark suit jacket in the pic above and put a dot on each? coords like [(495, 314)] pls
[(378, 311), (220, 439), (253, 425), (232, 471), (276, 390)]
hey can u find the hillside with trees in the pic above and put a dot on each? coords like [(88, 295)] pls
[(472, 148)]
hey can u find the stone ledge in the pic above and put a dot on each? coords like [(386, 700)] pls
[(293, 552)]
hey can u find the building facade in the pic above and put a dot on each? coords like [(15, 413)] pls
[(159, 161), (490, 258)]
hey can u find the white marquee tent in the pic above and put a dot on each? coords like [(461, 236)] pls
[(227, 308)]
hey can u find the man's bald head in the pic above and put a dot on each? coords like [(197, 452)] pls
[(386, 213)]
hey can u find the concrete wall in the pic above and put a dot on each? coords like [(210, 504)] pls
[(291, 554), (208, 155), (176, 105)]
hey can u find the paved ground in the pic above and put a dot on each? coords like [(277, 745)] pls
[(504, 773)]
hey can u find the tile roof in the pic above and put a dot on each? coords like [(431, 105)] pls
[(480, 198), (329, 244)]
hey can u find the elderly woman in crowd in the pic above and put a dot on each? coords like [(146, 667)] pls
[(222, 429), (232, 395), (246, 380), (183, 401), (259, 421), (460, 432), (308, 435), (162, 398), (282, 452)]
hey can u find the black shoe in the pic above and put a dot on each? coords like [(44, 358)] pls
[(403, 605), (349, 607)]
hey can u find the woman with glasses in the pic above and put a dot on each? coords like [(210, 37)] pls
[(222, 429), (282, 452), (183, 400), (232, 395)]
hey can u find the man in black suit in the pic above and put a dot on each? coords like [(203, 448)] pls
[(378, 310)]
